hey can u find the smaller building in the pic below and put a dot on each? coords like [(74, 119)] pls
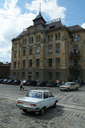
[(5, 70)]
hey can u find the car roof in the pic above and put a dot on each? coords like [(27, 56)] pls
[(40, 90)]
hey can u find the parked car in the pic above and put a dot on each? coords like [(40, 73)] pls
[(16, 82), (4, 81), (59, 84), (1, 80), (37, 101), (69, 86), (10, 81), (51, 84), (41, 83), (25, 82), (33, 83), (28, 83)]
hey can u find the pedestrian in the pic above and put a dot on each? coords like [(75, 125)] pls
[(21, 83)]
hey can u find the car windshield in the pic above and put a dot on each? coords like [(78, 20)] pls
[(34, 94), (67, 83)]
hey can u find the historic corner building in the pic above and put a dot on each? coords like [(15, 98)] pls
[(49, 52)]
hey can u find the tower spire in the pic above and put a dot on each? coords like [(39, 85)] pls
[(40, 8)]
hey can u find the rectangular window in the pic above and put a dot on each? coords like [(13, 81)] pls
[(56, 36), (59, 36), (15, 45), (30, 63), (50, 62), (75, 50), (14, 64), (38, 50), (51, 37), (37, 75), (78, 37), (50, 75), (30, 40), (19, 53), (48, 37), (75, 38), (37, 62), (58, 48), (39, 37), (23, 74), (58, 75), (50, 49), (36, 38), (57, 61), (30, 51), (15, 54), (23, 63), (75, 62), (24, 52)]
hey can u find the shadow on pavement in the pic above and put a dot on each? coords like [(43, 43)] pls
[(48, 115)]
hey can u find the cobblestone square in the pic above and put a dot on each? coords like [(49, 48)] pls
[(65, 115)]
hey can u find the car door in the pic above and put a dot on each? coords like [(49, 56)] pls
[(71, 86), (51, 99), (46, 100)]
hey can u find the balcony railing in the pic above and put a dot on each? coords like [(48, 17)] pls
[(75, 54), (75, 68)]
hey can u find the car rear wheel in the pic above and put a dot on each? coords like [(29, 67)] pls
[(68, 89), (24, 110), (42, 111)]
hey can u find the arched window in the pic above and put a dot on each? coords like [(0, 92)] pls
[(78, 37)]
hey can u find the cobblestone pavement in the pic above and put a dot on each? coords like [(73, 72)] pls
[(12, 117)]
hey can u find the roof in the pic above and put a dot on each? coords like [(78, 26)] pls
[(75, 28), (40, 90), (39, 16), (53, 25)]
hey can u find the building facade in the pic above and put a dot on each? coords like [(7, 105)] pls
[(5, 70), (49, 52)]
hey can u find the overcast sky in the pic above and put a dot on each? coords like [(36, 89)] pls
[(16, 15)]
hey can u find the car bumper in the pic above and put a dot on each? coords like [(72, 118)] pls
[(27, 107), (63, 89)]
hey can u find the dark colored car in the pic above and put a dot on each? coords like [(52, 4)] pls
[(33, 83), (28, 83), (4, 81), (1, 80), (10, 82), (25, 82), (16, 82), (41, 83), (51, 84)]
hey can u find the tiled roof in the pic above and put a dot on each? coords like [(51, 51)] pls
[(53, 25), (75, 27)]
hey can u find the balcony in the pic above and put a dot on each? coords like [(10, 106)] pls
[(78, 68), (75, 54)]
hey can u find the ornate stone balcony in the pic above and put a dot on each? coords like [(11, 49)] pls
[(74, 54), (75, 68)]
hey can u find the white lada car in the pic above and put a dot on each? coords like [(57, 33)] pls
[(37, 100)]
